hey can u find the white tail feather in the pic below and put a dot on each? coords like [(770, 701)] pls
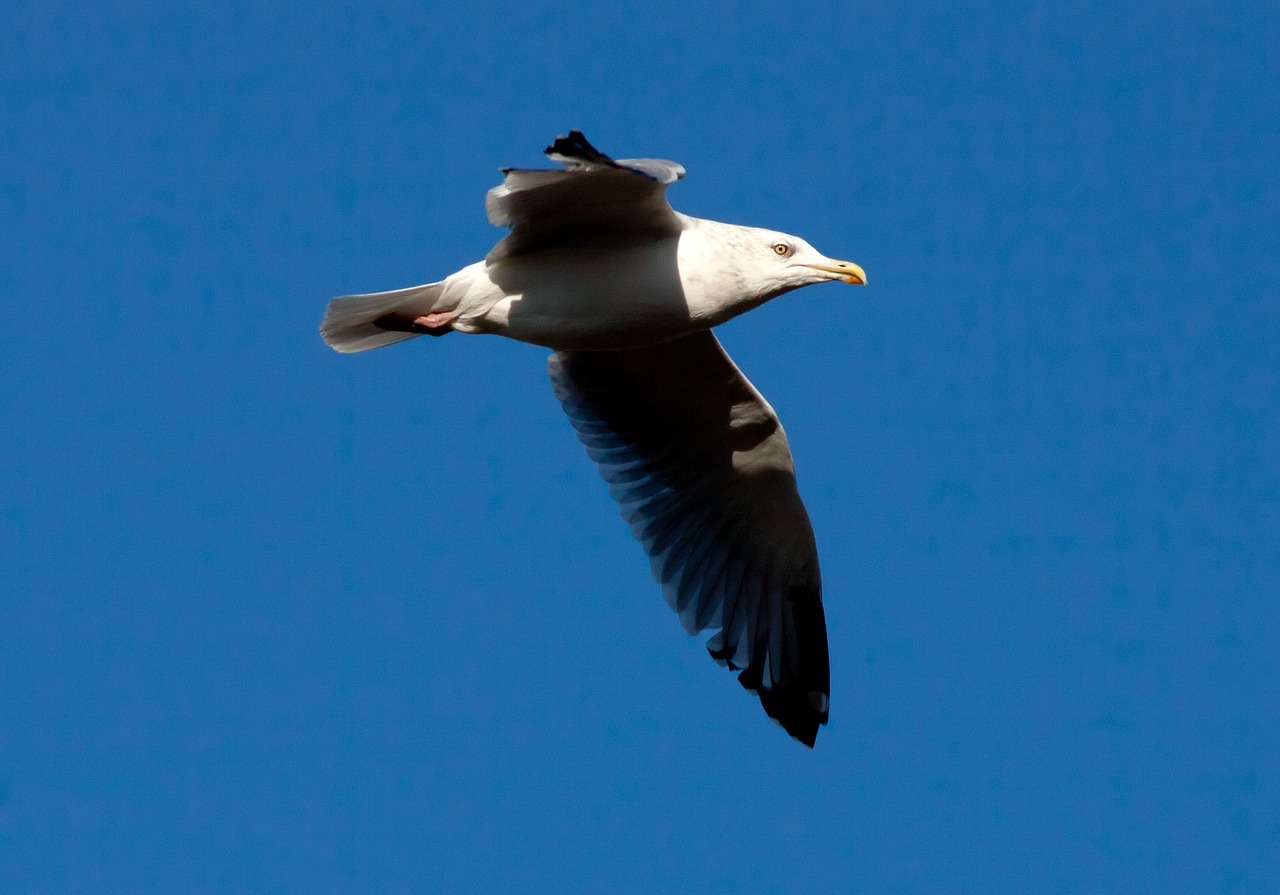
[(348, 321)]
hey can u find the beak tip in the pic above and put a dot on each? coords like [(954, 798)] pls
[(845, 271)]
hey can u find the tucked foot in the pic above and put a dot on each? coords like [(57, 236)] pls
[(437, 323)]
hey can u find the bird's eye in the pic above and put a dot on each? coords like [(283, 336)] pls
[(781, 248)]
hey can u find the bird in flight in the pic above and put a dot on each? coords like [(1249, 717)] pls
[(625, 291)]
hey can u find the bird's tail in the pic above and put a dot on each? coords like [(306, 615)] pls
[(360, 322)]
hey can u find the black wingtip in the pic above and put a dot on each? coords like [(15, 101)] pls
[(800, 702), (799, 713), (576, 147)]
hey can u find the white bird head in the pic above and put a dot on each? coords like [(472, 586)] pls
[(736, 268)]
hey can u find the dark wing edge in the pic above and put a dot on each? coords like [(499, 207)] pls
[(701, 470), (574, 151)]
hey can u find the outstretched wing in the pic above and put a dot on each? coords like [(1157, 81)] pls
[(595, 200), (700, 466)]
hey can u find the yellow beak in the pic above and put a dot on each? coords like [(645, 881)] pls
[(843, 270)]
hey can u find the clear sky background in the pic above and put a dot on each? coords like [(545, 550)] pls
[(279, 620)]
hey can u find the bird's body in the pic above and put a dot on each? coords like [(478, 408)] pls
[(599, 268), (510, 297), (552, 296)]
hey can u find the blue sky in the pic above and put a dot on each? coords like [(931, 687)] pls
[(279, 620)]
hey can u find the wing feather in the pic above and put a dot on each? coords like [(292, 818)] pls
[(594, 201), (702, 472)]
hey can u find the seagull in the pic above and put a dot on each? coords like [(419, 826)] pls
[(625, 291)]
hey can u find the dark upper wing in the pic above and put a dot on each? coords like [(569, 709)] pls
[(700, 466), (595, 200)]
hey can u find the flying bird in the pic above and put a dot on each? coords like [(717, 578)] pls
[(625, 291)]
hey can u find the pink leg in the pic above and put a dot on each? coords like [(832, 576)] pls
[(437, 323), (435, 319)]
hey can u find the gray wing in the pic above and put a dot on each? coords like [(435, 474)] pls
[(700, 467), (595, 200)]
